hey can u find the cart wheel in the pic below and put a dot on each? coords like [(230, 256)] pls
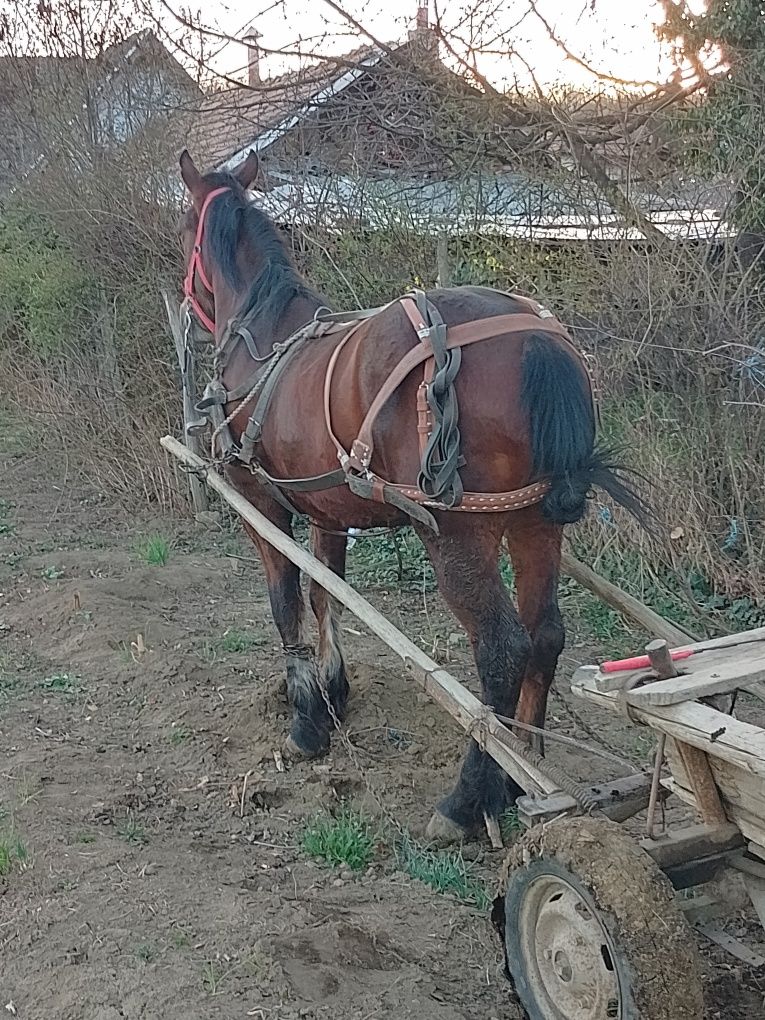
[(591, 929)]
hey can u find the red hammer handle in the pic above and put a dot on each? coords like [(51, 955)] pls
[(641, 661)]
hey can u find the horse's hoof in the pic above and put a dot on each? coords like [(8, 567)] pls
[(444, 831), (293, 752)]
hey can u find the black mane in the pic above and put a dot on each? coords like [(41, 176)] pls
[(232, 218)]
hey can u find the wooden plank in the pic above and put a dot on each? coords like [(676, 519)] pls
[(618, 800), (703, 784), (720, 735), (713, 672), (751, 826), (692, 842), (188, 387), (693, 769), (607, 682), (624, 603), (740, 790), (448, 692)]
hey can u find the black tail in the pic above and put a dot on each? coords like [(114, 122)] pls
[(558, 402)]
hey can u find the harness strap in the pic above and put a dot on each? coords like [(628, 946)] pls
[(271, 376), (196, 265), (458, 336), (342, 454), (441, 458)]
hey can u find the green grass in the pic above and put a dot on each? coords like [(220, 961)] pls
[(232, 642), (343, 839), (7, 526), (179, 939), (60, 683), (85, 838), (392, 559), (145, 952), (13, 853), (177, 735), (236, 641), (132, 832), (684, 596), (445, 871), (9, 677), (154, 550), (52, 573), (212, 975), (510, 825)]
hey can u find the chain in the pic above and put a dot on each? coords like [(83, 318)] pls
[(356, 762)]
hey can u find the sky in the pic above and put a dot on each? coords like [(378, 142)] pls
[(615, 37)]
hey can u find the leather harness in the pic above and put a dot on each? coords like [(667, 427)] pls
[(439, 351), (355, 464)]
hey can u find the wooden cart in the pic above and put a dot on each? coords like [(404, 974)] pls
[(591, 926)]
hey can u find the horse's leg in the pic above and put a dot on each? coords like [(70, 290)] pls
[(309, 733), (534, 546), (465, 559), (330, 549)]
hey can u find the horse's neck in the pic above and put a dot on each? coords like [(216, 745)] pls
[(299, 312)]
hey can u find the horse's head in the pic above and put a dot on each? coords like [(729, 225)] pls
[(205, 190)]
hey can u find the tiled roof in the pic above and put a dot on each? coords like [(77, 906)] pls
[(228, 121)]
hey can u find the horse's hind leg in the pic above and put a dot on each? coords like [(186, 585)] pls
[(534, 545), (330, 549), (465, 558), (311, 726)]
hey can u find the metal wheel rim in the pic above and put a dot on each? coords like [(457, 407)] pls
[(568, 956)]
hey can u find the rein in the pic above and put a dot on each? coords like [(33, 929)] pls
[(196, 266)]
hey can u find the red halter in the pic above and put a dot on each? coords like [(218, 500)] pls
[(196, 265)]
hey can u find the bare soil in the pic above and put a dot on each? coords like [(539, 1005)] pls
[(152, 881)]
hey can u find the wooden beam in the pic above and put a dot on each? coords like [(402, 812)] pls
[(623, 603), (703, 785), (448, 692), (721, 735)]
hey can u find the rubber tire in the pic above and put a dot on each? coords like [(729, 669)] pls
[(654, 949)]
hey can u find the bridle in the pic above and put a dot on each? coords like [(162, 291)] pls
[(196, 265)]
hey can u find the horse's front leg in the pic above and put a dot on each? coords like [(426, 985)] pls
[(311, 724), (330, 548)]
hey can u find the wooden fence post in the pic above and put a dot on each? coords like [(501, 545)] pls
[(442, 260), (188, 384)]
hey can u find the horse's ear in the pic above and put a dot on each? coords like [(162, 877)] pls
[(191, 176), (248, 169)]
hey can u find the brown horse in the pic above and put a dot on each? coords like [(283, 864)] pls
[(526, 414)]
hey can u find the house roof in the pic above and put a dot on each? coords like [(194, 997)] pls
[(229, 124), (41, 97), (510, 204)]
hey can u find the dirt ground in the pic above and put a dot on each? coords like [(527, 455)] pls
[(146, 880)]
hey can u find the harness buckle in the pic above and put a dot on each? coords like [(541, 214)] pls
[(424, 332)]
